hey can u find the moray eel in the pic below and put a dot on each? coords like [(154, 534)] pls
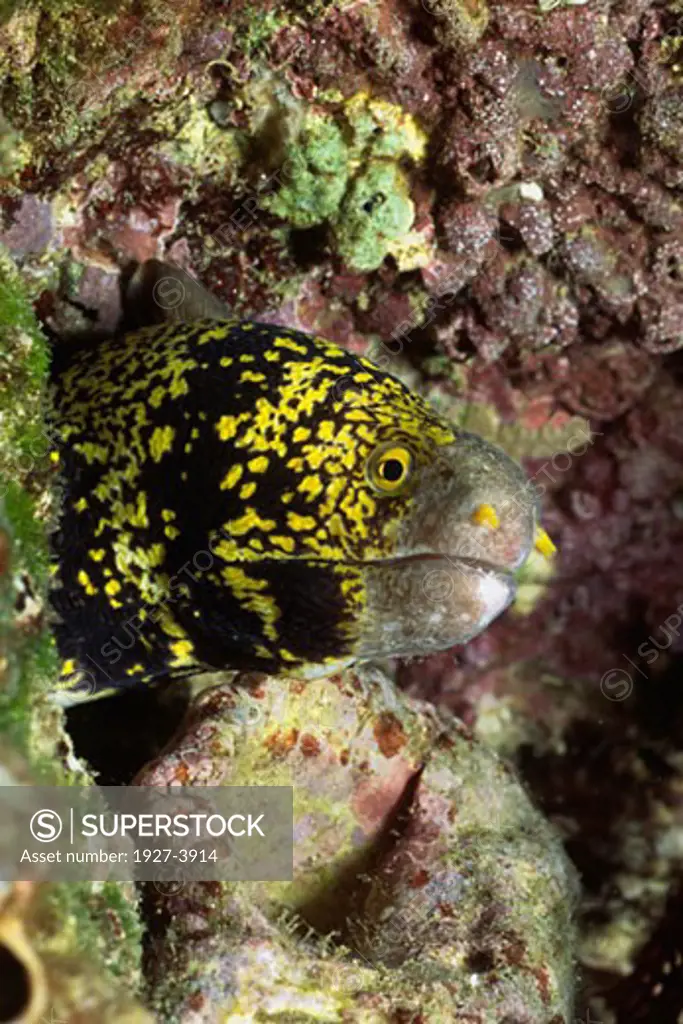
[(239, 495)]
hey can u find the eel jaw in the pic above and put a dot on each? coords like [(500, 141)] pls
[(425, 603)]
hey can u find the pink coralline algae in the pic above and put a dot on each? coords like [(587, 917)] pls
[(552, 148)]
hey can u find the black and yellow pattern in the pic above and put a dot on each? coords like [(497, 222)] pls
[(224, 483)]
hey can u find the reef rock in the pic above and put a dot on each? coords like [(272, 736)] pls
[(425, 884)]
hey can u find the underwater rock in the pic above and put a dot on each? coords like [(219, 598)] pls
[(25, 506), (425, 883), (607, 381), (661, 124), (45, 973), (462, 22), (23, 992), (31, 229), (305, 142)]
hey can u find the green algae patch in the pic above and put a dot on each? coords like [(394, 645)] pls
[(376, 213), (382, 129), (317, 173), (345, 168), (23, 369), (27, 660), (75, 940), (14, 152), (68, 87), (86, 918), (526, 438), (196, 143)]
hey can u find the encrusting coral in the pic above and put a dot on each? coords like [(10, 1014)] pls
[(346, 170), (425, 885)]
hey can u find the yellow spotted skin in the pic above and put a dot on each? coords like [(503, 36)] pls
[(216, 505)]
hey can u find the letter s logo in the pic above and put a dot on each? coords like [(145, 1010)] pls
[(46, 826)]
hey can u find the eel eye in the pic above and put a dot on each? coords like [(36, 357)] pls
[(389, 467)]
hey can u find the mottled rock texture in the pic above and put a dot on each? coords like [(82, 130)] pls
[(425, 885)]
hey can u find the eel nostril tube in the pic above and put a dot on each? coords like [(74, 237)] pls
[(486, 515), (23, 994), (543, 543)]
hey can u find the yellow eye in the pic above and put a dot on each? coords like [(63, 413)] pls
[(389, 467)]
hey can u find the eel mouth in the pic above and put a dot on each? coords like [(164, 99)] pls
[(421, 603), (457, 562)]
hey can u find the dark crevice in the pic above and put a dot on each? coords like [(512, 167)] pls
[(344, 898), (509, 238), (15, 986), (118, 735), (309, 247)]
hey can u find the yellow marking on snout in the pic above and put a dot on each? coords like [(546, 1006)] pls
[(543, 543), (486, 515)]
